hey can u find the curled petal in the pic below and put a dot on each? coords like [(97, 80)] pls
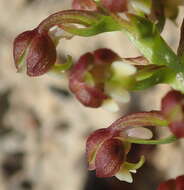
[(93, 143), (141, 119), (124, 175), (109, 158), (140, 60), (90, 92), (124, 172), (20, 45), (89, 96), (41, 55)]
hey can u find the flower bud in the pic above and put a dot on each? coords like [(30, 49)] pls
[(173, 110), (84, 5), (35, 51), (115, 5)]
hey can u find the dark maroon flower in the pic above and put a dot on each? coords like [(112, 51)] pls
[(107, 149), (173, 184), (105, 153), (173, 110), (87, 77), (35, 51)]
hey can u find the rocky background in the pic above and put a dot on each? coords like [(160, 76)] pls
[(43, 128)]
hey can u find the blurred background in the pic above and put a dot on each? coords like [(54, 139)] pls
[(43, 128)]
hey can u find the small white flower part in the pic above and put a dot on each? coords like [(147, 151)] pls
[(133, 171), (123, 69), (110, 105), (124, 175), (141, 5), (120, 95), (139, 133), (57, 33)]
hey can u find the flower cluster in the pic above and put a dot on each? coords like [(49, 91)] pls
[(107, 148), (102, 78)]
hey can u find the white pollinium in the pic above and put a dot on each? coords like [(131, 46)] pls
[(141, 5), (123, 69), (56, 33), (139, 133), (120, 95), (110, 105), (124, 175)]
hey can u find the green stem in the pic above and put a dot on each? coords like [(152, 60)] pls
[(167, 140), (147, 39)]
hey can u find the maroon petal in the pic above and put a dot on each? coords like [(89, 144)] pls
[(180, 183), (91, 97), (167, 185), (171, 100), (93, 143), (115, 5), (41, 55), (173, 110), (140, 119), (177, 128), (21, 44), (109, 158)]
